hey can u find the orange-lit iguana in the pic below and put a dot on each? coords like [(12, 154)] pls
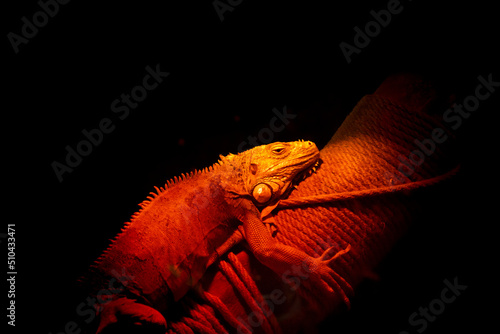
[(182, 229)]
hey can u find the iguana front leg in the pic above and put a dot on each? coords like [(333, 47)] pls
[(283, 259)]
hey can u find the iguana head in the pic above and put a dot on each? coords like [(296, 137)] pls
[(268, 171)]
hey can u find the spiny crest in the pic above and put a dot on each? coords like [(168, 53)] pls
[(151, 197), (175, 180)]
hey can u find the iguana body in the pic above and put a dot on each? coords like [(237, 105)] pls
[(182, 229)]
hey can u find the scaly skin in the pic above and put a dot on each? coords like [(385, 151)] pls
[(182, 229)]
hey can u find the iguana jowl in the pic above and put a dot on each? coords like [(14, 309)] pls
[(185, 227)]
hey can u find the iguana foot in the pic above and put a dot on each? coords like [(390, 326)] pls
[(326, 279), (127, 316)]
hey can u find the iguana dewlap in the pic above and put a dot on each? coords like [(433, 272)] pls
[(184, 227)]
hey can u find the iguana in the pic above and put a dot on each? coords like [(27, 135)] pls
[(187, 225)]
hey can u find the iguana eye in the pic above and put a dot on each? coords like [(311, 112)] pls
[(278, 150)]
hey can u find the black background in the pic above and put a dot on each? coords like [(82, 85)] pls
[(225, 79)]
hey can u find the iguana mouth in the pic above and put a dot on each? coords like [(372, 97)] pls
[(310, 169), (304, 174)]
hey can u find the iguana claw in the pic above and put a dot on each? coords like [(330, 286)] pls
[(328, 279)]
